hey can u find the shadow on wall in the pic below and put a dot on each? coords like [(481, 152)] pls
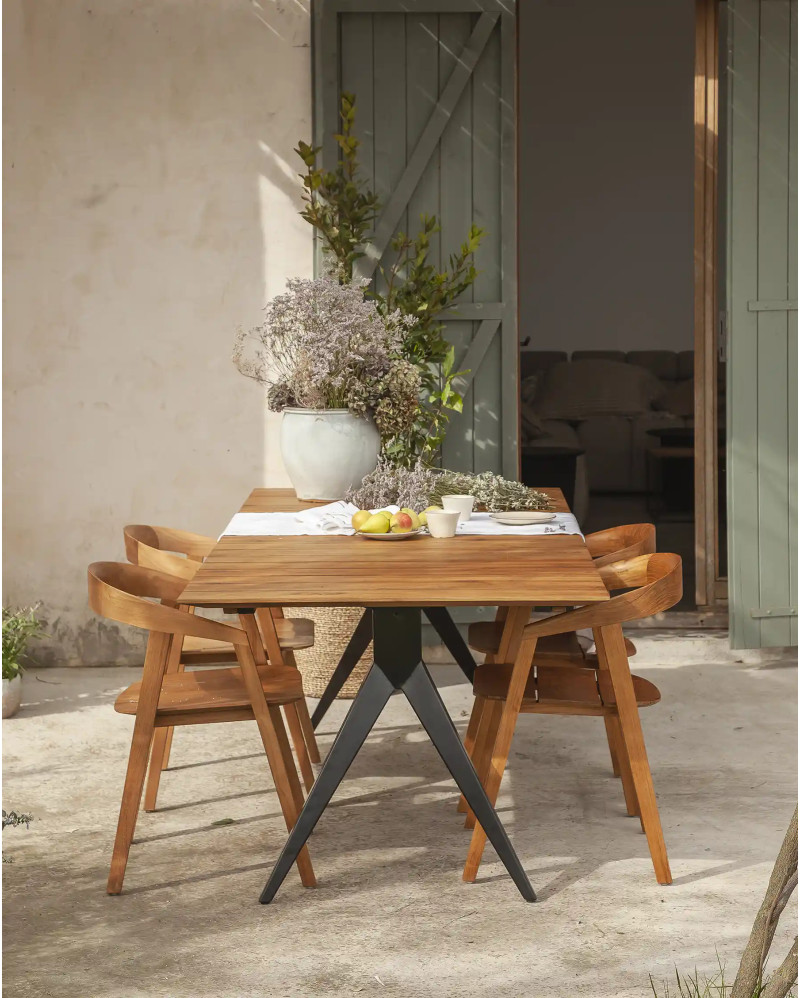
[(150, 209)]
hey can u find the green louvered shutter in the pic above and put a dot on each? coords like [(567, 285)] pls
[(434, 85), (762, 316)]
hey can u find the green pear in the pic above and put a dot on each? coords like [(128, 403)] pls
[(360, 518), (423, 516), (378, 523)]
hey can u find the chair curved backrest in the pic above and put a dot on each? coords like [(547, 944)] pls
[(619, 543), (155, 547), (654, 582), (124, 593)]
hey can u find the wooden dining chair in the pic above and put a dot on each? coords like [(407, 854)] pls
[(146, 598), (179, 553), (619, 543), (519, 684), (606, 547)]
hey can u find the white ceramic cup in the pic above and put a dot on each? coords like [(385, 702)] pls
[(442, 522), (461, 504)]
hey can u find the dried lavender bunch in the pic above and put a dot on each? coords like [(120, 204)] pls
[(323, 345), (490, 490), (421, 486), (391, 484)]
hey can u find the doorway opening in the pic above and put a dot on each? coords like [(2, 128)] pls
[(609, 387)]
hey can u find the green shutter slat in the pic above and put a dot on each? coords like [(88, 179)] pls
[(357, 76), (422, 90), (390, 120), (762, 369), (743, 352), (487, 179), (791, 368), (509, 424), (773, 278), (455, 192)]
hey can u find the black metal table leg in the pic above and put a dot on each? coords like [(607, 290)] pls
[(398, 666), (451, 636), (364, 712), (356, 647), (424, 698)]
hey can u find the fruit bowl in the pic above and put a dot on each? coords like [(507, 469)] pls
[(407, 535)]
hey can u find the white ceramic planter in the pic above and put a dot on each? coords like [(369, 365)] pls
[(12, 695), (327, 451)]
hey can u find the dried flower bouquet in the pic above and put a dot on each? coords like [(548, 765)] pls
[(420, 486), (323, 345)]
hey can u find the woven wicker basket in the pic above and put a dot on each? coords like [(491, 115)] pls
[(333, 628)]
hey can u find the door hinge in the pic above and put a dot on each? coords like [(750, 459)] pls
[(774, 611), (722, 338)]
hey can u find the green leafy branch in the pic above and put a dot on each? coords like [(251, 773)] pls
[(340, 206)]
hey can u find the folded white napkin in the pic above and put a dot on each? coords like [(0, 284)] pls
[(483, 525), (334, 518), (331, 519)]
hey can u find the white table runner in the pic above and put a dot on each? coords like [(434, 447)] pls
[(335, 519)]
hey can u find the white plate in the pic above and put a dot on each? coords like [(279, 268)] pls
[(522, 518), (391, 537)]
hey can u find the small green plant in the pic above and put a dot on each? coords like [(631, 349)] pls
[(13, 819), (19, 627), (341, 207), (338, 203), (705, 987), (694, 986), (750, 981)]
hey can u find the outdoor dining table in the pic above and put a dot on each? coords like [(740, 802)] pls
[(395, 582)]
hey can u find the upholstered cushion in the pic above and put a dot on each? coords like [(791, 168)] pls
[(530, 420), (685, 364), (580, 389), (617, 355), (662, 363), (679, 398), (538, 361)]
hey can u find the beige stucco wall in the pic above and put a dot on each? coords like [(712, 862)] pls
[(150, 208)]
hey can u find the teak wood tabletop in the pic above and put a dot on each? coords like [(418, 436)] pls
[(506, 570), (395, 582)]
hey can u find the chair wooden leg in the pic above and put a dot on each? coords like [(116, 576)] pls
[(273, 736), (612, 734), (157, 751), (624, 767), (484, 743), (287, 785), (162, 739), (154, 667), (299, 742), (502, 746), (170, 731), (611, 647), (513, 620), (469, 740), (308, 731), (266, 617), (167, 748)]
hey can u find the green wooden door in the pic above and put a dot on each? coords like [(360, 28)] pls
[(762, 316), (434, 86)]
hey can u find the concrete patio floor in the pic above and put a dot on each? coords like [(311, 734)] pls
[(391, 916)]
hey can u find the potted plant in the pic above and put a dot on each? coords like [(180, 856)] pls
[(19, 626), (331, 362)]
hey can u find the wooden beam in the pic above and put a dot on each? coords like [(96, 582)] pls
[(706, 119)]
